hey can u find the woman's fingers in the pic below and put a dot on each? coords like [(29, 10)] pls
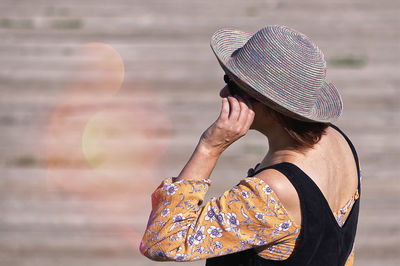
[(237, 115), (233, 122), (224, 115), (234, 108), (250, 118), (246, 114)]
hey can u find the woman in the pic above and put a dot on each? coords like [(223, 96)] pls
[(300, 204)]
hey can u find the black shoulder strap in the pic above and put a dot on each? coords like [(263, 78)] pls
[(262, 169), (283, 167), (295, 175)]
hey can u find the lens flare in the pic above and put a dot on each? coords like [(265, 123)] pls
[(99, 74), (122, 139), (103, 142)]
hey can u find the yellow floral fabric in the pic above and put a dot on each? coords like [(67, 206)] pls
[(249, 215)]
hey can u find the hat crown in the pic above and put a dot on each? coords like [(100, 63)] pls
[(282, 68), (285, 60)]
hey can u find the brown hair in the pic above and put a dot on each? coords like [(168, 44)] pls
[(304, 134)]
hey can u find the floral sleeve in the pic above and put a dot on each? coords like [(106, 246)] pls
[(246, 216), (350, 259)]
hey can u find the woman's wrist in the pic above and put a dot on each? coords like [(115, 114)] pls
[(209, 150), (201, 163)]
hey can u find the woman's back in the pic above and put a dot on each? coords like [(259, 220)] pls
[(330, 164)]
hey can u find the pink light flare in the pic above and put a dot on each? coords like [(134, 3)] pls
[(102, 142)]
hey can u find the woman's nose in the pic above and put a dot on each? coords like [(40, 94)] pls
[(224, 92)]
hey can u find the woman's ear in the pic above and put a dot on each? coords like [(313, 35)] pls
[(264, 116)]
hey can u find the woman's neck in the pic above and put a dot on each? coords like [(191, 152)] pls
[(282, 147)]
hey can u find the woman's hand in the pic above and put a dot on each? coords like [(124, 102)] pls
[(233, 122)]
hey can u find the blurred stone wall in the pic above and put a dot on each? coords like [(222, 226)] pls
[(100, 100)]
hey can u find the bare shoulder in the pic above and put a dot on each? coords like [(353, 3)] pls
[(285, 192), (337, 140)]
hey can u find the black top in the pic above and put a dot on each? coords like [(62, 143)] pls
[(323, 241)]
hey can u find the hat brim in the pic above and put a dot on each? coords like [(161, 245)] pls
[(328, 105)]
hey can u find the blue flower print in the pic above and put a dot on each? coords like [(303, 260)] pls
[(232, 221), (180, 257), (259, 216), (211, 213), (267, 190), (218, 245), (160, 254), (244, 194), (171, 189), (177, 221), (219, 217), (178, 218), (199, 236), (164, 212), (285, 225), (201, 250), (214, 231)]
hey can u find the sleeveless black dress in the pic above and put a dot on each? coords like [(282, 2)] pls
[(323, 241)]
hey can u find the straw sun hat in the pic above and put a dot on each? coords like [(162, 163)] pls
[(282, 68)]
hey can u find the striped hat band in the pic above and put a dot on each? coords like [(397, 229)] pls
[(282, 68)]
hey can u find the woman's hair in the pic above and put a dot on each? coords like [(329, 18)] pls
[(304, 134)]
